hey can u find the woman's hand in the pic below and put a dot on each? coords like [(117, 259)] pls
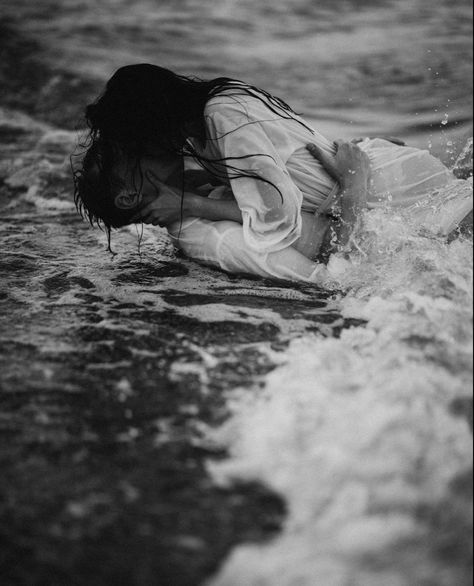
[(392, 139), (166, 209), (171, 206), (349, 166)]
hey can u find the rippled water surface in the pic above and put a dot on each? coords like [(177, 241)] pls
[(379, 65), (163, 423)]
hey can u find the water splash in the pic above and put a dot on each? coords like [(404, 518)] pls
[(358, 434), (361, 434)]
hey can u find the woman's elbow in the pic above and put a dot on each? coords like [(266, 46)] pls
[(284, 221)]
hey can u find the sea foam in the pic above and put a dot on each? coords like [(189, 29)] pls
[(358, 433)]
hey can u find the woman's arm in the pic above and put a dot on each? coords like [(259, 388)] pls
[(351, 169), (351, 209), (169, 207), (255, 142), (212, 209), (196, 178), (222, 245)]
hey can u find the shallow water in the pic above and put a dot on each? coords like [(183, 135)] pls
[(354, 66), (360, 434), (354, 407)]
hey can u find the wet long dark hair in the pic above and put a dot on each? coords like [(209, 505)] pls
[(145, 110)]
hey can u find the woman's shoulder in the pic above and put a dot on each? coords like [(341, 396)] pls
[(235, 105)]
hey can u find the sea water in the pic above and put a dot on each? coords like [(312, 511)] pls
[(366, 433), (356, 66), (359, 433)]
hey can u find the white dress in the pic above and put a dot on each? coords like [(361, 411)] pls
[(257, 141)]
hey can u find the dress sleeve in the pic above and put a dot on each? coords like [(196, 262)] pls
[(268, 198), (221, 245)]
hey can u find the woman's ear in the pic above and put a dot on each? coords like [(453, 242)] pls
[(127, 201)]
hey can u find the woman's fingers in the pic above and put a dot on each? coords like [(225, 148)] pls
[(146, 214), (350, 163), (391, 139), (141, 215), (396, 141), (154, 180), (345, 144), (327, 161)]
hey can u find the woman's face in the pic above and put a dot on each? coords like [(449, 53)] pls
[(141, 182)]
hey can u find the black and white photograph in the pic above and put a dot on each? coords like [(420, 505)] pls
[(236, 292)]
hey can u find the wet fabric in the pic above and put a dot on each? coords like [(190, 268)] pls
[(253, 139)]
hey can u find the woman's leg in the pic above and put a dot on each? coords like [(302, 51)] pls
[(403, 176), (414, 180)]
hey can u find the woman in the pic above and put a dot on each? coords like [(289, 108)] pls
[(271, 206)]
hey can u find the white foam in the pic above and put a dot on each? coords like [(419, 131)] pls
[(355, 434)]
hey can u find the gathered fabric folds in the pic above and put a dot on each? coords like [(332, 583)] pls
[(262, 159)]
